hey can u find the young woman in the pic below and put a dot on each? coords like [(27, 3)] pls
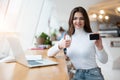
[(82, 51)]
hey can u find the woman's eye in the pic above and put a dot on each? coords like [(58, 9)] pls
[(75, 18), (81, 18)]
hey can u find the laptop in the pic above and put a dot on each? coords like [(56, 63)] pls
[(21, 58)]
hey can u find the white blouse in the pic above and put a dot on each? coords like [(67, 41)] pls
[(82, 51)]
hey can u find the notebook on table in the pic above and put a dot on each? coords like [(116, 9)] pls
[(21, 58)]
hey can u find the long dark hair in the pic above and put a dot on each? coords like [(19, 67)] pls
[(71, 28)]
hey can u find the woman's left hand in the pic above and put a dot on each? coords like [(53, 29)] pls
[(98, 43)]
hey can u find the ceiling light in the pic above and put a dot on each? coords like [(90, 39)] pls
[(106, 17), (118, 9), (102, 12), (94, 15), (100, 17)]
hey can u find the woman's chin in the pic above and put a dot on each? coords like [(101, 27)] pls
[(78, 27)]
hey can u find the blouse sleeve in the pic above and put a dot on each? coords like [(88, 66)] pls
[(53, 50), (102, 56)]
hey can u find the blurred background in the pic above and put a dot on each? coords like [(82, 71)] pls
[(33, 19)]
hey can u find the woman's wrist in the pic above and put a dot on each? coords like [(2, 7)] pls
[(100, 47)]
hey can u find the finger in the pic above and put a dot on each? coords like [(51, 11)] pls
[(67, 37)]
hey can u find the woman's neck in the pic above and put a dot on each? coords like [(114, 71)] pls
[(79, 31)]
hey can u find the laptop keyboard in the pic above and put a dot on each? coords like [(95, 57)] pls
[(33, 62)]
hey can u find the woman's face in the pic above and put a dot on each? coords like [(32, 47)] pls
[(78, 20)]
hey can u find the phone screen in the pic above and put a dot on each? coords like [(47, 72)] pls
[(94, 36)]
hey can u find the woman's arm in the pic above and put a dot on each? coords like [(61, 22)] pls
[(56, 48), (63, 43), (102, 56), (53, 50), (101, 53)]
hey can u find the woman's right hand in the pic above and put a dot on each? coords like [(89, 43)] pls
[(65, 43)]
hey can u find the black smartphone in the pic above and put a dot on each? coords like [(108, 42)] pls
[(94, 36)]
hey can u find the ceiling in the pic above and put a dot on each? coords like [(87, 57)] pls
[(109, 6), (63, 7)]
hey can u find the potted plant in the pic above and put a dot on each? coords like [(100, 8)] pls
[(43, 40)]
